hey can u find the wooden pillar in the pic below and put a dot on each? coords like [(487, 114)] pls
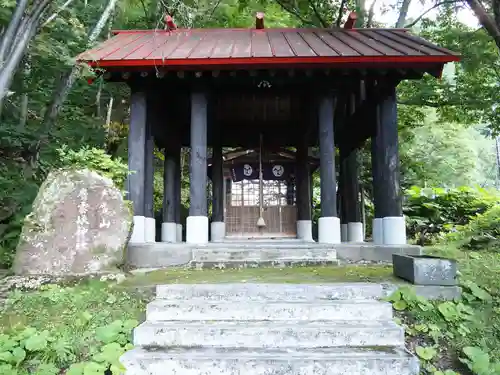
[(328, 223), (390, 226), (217, 227), (343, 202), (150, 222), (177, 191), (169, 227), (137, 161), (352, 189), (197, 222), (304, 223)]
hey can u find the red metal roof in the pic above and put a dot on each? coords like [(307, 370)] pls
[(198, 47)]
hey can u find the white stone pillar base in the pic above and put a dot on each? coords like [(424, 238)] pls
[(179, 232), (138, 233), (394, 229), (355, 232), (217, 230), (304, 230), (343, 233), (168, 232), (149, 229), (378, 231), (197, 229), (329, 230)]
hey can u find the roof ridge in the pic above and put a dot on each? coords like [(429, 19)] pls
[(291, 29)]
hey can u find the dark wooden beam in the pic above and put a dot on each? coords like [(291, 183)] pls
[(177, 183), (149, 161), (328, 180), (198, 157), (169, 187), (217, 183), (302, 181), (137, 150), (360, 126), (386, 151)]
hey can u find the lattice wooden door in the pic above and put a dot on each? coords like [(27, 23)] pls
[(242, 210)]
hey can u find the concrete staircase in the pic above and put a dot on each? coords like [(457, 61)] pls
[(280, 253), (269, 329)]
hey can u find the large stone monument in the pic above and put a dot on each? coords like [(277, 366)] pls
[(80, 224)]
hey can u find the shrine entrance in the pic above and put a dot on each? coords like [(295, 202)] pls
[(279, 212), (245, 188)]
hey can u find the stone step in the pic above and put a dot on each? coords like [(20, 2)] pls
[(330, 361), (269, 292), (269, 334), (257, 243), (165, 310), (252, 263), (255, 253)]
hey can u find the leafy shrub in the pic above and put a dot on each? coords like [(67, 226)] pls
[(466, 328), (29, 351), (482, 232), (19, 181), (97, 160), (433, 212)]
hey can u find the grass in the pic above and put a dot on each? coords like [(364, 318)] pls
[(83, 306), (326, 274)]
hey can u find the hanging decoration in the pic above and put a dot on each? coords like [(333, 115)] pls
[(260, 222)]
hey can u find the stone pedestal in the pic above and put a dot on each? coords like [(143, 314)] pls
[(425, 269)]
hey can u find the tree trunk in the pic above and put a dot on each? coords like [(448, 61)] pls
[(56, 13), (12, 30), (26, 30), (403, 12), (24, 111), (69, 78), (497, 148), (486, 20)]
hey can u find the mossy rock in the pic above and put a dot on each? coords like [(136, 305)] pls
[(79, 224)]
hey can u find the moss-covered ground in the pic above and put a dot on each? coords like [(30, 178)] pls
[(326, 274)]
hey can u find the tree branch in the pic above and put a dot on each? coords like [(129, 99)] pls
[(341, 11), (316, 13), (371, 14), (414, 22), (56, 13), (146, 13), (294, 13), (449, 103), (486, 20), (214, 9), (403, 11)]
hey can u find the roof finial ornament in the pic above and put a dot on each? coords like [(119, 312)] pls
[(169, 23), (351, 20), (259, 20)]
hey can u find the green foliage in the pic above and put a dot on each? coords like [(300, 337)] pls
[(433, 212), (439, 153), (479, 361), (481, 233), (80, 334), (467, 328), (97, 160)]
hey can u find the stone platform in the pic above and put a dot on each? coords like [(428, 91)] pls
[(254, 253), (258, 329)]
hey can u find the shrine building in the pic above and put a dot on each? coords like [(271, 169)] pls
[(268, 97)]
